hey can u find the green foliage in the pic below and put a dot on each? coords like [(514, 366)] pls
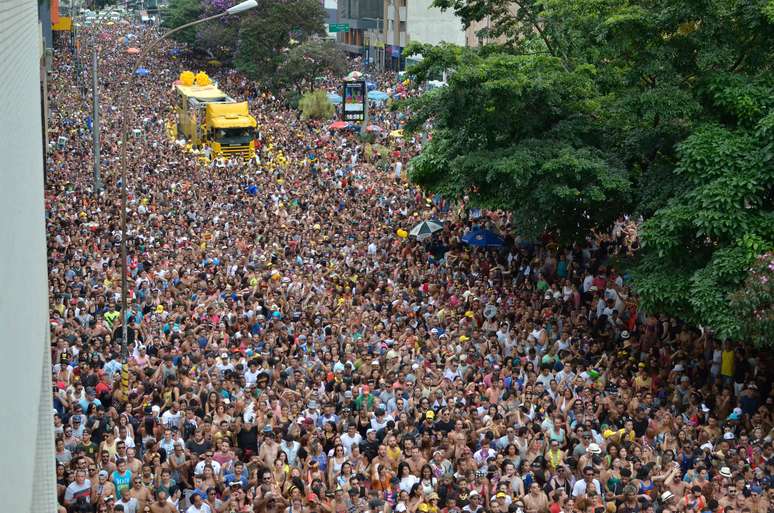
[(753, 303), (590, 109), (217, 39), (710, 234), (518, 132), (315, 105), (265, 35), (305, 61), (180, 12)]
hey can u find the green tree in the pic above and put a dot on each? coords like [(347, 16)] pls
[(310, 59), (517, 132), (753, 303), (660, 108), (699, 248), (315, 105), (265, 35), (180, 12)]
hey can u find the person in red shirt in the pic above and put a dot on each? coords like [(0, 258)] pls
[(103, 386)]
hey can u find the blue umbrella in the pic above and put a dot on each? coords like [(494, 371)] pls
[(377, 96), (370, 86), (142, 72), (334, 98), (483, 238)]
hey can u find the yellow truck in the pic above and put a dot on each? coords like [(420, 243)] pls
[(208, 118)]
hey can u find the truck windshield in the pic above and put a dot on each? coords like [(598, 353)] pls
[(241, 136)]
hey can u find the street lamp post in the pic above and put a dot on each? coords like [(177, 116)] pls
[(95, 125), (122, 97)]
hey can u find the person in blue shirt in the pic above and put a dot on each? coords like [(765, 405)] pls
[(122, 476), (90, 399), (238, 475)]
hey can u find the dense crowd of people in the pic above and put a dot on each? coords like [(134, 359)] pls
[(288, 351)]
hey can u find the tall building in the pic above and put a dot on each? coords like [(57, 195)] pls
[(331, 11), (29, 480), (361, 16), (381, 39)]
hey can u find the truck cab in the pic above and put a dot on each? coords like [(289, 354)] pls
[(207, 117)]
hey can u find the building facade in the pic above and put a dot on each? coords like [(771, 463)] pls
[(29, 477), (382, 38)]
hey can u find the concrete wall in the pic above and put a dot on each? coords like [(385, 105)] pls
[(28, 478), (428, 24)]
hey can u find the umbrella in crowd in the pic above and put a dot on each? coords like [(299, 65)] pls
[(483, 238), (397, 134), (373, 128), (133, 50), (378, 96), (338, 125), (370, 86), (142, 72), (334, 98), (426, 229), (355, 75)]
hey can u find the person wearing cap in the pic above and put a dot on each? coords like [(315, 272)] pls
[(370, 446), (474, 503), (102, 487), (269, 448), (428, 422)]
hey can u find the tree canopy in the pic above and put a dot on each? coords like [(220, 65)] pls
[(587, 110), (304, 62), (257, 42)]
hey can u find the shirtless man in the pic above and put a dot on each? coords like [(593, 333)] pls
[(102, 487), (535, 501), (134, 464), (141, 493), (161, 505), (415, 461), (269, 448), (732, 499), (757, 501), (676, 485), (382, 458)]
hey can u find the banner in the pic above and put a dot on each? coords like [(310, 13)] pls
[(354, 98)]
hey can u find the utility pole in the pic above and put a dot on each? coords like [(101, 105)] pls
[(95, 119)]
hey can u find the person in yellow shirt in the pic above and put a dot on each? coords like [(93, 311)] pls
[(727, 363), (642, 381), (626, 433)]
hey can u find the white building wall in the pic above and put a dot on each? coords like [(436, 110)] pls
[(28, 481), (427, 24)]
